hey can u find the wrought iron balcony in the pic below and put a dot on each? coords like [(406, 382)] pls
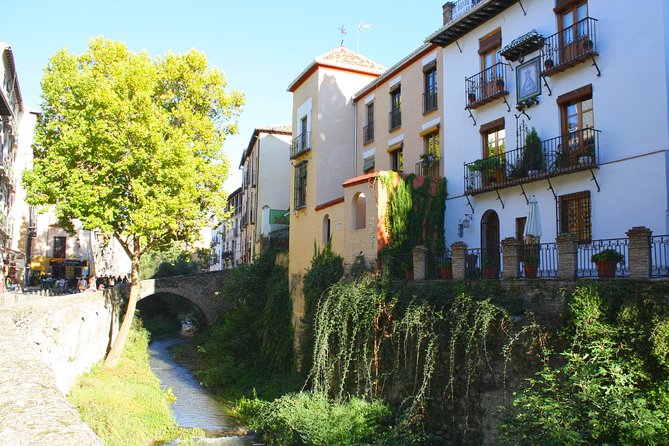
[(430, 101), (394, 119), (486, 86), (565, 154), (368, 133), (570, 47), (8, 100), (301, 144), (428, 166)]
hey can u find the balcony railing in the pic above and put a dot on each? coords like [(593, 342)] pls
[(428, 167), (570, 46), (486, 86), (659, 255), (394, 119), (546, 254), (301, 144), (483, 263), (430, 101), (587, 268), (565, 154), (462, 7), (368, 133)]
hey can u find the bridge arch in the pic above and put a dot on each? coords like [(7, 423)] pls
[(202, 289)]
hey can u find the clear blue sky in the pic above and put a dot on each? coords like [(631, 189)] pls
[(260, 46)]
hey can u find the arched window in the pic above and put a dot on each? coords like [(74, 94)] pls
[(359, 211), (326, 229)]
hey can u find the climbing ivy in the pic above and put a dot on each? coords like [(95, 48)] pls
[(374, 340), (326, 269), (414, 215)]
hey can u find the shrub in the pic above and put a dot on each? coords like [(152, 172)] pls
[(607, 255), (595, 396), (310, 418)]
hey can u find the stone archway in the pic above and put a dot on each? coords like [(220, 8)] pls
[(203, 290)]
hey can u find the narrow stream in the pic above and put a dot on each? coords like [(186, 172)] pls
[(194, 407)]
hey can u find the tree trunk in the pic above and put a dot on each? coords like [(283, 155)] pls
[(115, 353)]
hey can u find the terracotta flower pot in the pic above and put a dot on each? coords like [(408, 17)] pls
[(531, 271), (489, 272), (446, 272), (606, 270)]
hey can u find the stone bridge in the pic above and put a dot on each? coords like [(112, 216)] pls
[(202, 289)]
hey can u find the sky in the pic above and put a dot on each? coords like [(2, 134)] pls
[(261, 46)]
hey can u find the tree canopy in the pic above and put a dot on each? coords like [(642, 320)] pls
[(132, 146)]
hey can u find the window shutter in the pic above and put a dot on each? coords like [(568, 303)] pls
[(490, 42)]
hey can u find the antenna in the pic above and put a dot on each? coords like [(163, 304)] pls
[(362, 27)]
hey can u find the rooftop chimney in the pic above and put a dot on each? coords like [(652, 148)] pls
[(448, 11)]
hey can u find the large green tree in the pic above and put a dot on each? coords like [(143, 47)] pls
[(132, 146)]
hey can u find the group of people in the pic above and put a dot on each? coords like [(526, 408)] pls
[(81, 284), (99, 283)]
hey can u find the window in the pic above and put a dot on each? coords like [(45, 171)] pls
[(430, 101), (577, 116), (492, 69), (359, 211), (574, 34), (300, 198), (395, 108), (368, 163), (326, 229), (368, 130), (397, 159), (430, 157), (494, 142), (431, 143), (570, 14), (303, 133), (574, 216), (59, 244)]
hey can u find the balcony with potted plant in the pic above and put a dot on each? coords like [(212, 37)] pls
[(569, 47), (536, 160), (486, 86)]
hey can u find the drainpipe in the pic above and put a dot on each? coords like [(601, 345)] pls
[(355, 139), (257, 183)]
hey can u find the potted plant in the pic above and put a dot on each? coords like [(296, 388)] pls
[(489, 270), (606, 262), (500, 84), (531, 266), (427, 157), (446, 268), (549, 64), (407, 267), (533, 155), (588, 45), (472, 97)]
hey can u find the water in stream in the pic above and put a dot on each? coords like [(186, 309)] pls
[(194, 407)]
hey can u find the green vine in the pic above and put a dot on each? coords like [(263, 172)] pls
[(414, 215)]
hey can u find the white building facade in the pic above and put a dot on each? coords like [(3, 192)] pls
[(226, 238), (265, 186), (590, 77)]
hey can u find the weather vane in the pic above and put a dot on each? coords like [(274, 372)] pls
[(343, 32)]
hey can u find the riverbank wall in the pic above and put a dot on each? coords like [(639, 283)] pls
[(45, 344)]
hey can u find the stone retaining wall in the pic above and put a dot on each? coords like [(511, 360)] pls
[(45, 344)]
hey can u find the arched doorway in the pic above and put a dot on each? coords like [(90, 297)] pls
[(490, 259)]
